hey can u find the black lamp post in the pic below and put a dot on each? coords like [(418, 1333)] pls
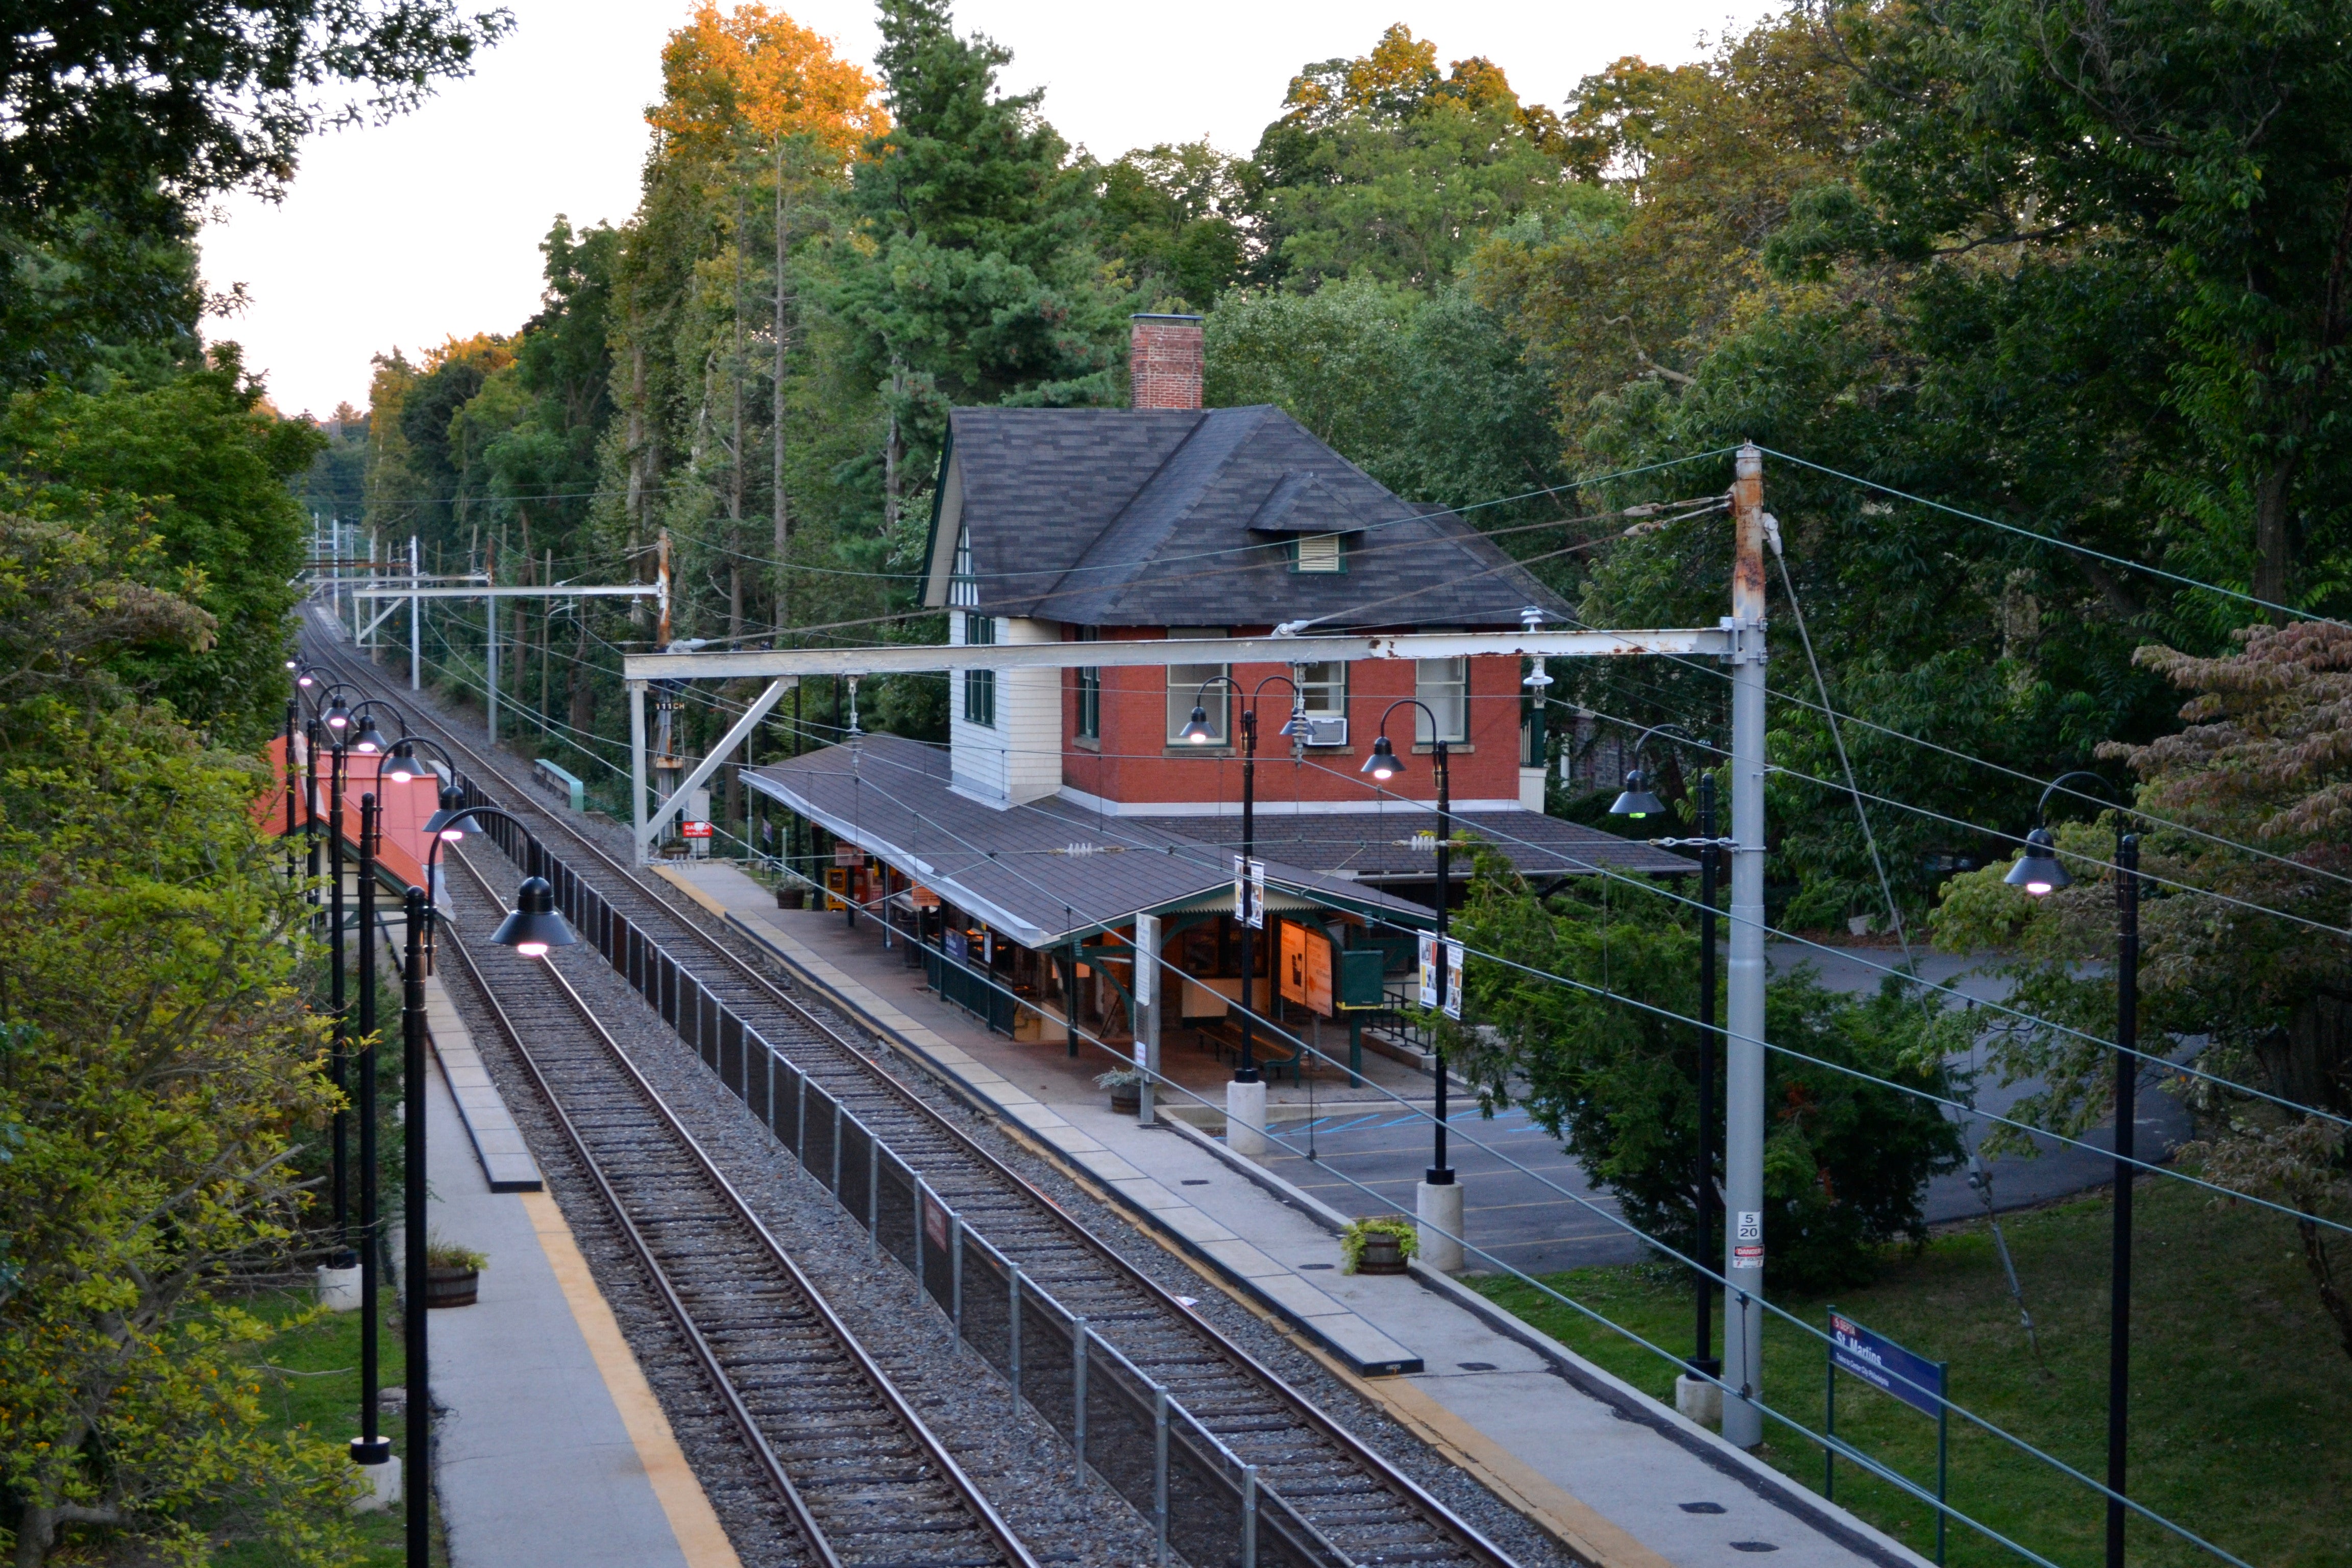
[(339, 723), (2038, 872), (531, 929), (1384, 764), (293, 709), (368, 1448), (1637, 802), (1199, 733)]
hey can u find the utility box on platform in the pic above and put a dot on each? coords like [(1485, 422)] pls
[(1360, 977)]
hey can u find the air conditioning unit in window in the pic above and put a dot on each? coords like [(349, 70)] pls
[(1332, 732)]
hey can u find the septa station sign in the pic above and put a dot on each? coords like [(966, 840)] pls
[(1885, 1366), (694, 829)]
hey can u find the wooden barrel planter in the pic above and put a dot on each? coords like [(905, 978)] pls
[(1127, 1099), (452, 1287), (791, 897), (1382, 1253)]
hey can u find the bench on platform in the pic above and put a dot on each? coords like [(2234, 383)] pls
[(1223, 1036)]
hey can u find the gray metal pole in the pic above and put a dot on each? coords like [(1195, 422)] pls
[(1743, 1136), (415, 621), (490, 647), (637, 765)]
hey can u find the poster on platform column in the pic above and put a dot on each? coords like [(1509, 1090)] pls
[(1454, 980), (1428, 970)]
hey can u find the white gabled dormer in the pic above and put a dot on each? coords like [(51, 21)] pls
[(1004, 726)]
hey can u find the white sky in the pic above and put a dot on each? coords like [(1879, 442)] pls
[(406, 233)]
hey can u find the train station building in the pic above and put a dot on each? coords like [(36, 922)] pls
[(1014, 862)]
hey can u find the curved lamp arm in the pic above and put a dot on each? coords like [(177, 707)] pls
[(2042, 808), (388, 705)]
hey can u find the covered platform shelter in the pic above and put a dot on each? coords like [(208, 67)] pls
[(1027, 917)]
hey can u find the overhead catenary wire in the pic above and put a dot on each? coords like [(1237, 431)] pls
[(2050, 539)]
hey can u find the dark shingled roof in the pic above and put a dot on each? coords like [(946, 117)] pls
[(1122, 517), (891, 797)]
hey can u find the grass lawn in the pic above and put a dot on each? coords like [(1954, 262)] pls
[(318, 1387), (2242, 1399)]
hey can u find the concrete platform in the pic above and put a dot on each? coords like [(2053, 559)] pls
[(551, 1450), (497, 1142), (1618, 1478)]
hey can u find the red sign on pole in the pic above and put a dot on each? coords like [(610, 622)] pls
[(696, 829)]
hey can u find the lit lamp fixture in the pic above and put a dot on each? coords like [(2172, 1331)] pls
[(534, 926), (1197, 733), (1636, 800), (370, 740), (402, 766), (453, 821), (1383, 764), (2037, 871), (339, 717)]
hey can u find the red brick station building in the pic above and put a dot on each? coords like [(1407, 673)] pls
[(1065, 803)]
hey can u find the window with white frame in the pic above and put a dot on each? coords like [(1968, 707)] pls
[(1323, 690), (980, 685), (1184, 691), (1443, 687)]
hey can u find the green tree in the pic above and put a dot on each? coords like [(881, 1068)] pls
[(1175, 215), (2262, 761), (969, 278), (155, 1057), (1382, 167), (198, 463), (1845, 1161), (2212, 143)]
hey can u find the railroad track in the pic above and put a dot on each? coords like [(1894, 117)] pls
[(864, 1482), (1362, 1505)]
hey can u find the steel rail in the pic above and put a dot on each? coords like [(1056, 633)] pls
[(1471, 1542), (991, 1523)]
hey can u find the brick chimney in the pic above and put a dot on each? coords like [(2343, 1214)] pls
[(1163, 360)]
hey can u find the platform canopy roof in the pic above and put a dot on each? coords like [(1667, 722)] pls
[(1040, 874), (1044, 873)]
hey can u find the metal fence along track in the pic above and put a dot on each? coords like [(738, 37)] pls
[(865, 1481), (1114, 1361)]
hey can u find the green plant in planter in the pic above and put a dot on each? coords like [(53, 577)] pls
[(1352, 1239), (446, 1255), (1118, 1078)]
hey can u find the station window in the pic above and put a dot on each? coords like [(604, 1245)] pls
[(1089, 692), (1184, 691), (980, 685), (1443, 685)]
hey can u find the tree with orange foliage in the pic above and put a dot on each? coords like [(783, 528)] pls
[(755, 75)]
